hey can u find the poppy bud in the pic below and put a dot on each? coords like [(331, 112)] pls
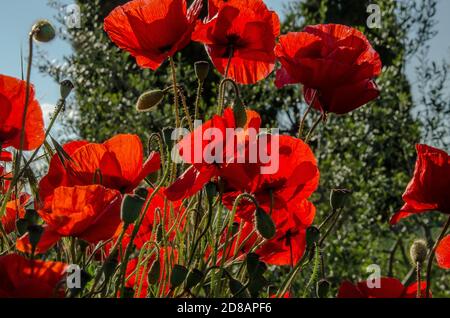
[(322, 288), (22, 226), (194, 278), (235, 228), (240, 114), (110, 266), (312, 236), (65, 88), (418, 251), (141, 193), (179, 274), (264, 224), (31, 216), (153, 273), (201, 70), (128, 292), (159, 233), (338, 198), (149, 100), (34, 235), (131, 208), (211, 192), (252, 262), (167, 136), (236, 287), (43, 31)]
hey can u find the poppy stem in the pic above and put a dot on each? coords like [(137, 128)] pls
[(198, 98), (432, 253), (419, 279), (302, 122), (313, 128), (175, 92)]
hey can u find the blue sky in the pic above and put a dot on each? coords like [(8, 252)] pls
[(17, 17)]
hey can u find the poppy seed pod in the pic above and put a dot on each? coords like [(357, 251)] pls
[(338, 198), (43, 31), (322, 288), (150, 100), (66, 88), (418, 251), (264, 224), (201, 70)]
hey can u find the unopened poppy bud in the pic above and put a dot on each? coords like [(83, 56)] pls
[(252, 262), (338, 198), (194, 278), (322, 288), (418, 251), (312, 236), (141, 192), (65, 88), (154, 273), (264, 224), (111, 266), (159, 234), (22, 226), (34, 235), (240, 114), (179, 274), (43, 31), (131, 208), (236, 287), (211, 191), (31, 216), (128, 292), (149, 100), (201, 70)]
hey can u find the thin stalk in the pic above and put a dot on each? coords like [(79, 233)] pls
[(313, 128), (175, 92), (302, 122), (432, 253)]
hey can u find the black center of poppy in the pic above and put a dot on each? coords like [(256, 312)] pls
[(165, 49)]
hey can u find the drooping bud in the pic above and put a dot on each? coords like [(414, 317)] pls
[(43, 31), (131, 208), (159, 233), (240, 114), (150, 100), (22, 226), (201, 70), (264, 224), (211, 191), (31, 216), (194, 278), (338, 198), (179, 274), (66, 88), (418, 251), (111, 266), (154, 273), (312, 236), (322, 288), (34, 235)]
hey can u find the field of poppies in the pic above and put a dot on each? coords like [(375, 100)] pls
[(214, 206)]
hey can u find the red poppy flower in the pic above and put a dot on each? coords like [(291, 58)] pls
[(23, 278), (137, 277), (152, 30), (244, 30), (443, 253), (15, 209), (208, 153), (12, 103), (5, 156), (428, 189), (289, 243), (115, 164), (91, 213), (335, 63), (296, 178), (389, 288)]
